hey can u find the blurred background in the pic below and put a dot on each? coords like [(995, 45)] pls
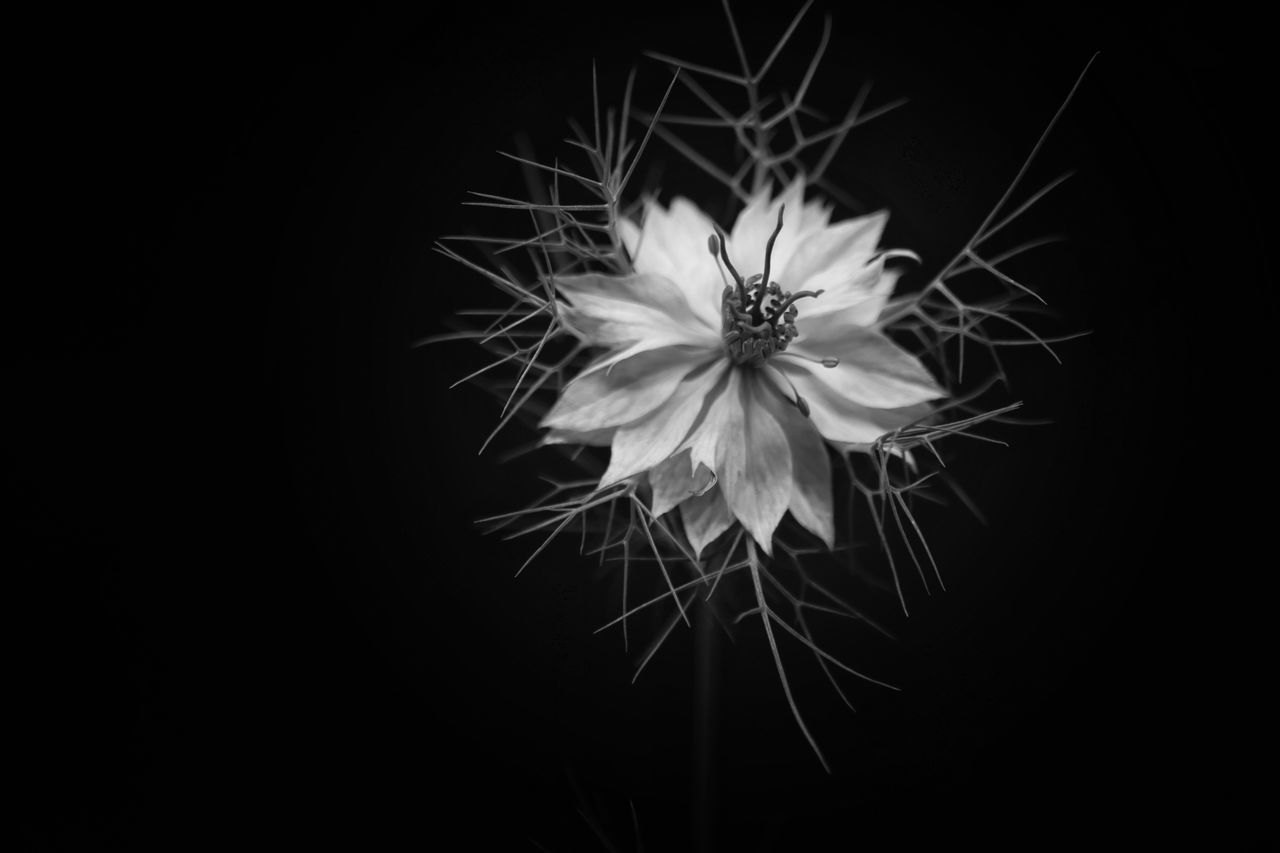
[(253, 605)]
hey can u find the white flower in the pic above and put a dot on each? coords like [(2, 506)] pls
[(722, 391)]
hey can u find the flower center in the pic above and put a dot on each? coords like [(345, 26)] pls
[(759, 317)]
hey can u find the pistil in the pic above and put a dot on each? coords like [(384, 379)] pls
[(758, 315)]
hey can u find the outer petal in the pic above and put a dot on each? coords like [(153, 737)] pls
[(811, 497), (840, 419), (619, 311), (705, 517), (753, 461), (643, 444), (631, 389), (672, 483), (873, 370)]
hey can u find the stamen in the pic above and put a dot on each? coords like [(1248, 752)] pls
[(759, 317), (798, 402), (825, 362), (724, 255), (713, 244), (801, 295)]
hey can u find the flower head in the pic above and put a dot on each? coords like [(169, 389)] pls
[(722, 386)]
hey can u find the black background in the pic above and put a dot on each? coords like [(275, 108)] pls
[(251, 602)]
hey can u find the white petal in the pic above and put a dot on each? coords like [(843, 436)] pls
[(869, 311), (590, 438), (840, 419), (832, 258), (640, 445), (631, 389), (752, 227), (705, 517), (629, 234), (755, 224), (858, 293), (717, 423), (673, 483), (893, 309), (673, 243), (816, 216), (811, 497), (616, 311), (753, 462), (873, 370)]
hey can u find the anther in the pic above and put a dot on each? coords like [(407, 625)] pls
[(829, 361)]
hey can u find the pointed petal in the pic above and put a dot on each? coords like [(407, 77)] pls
[(816, 216), (629, 234), (673, 483), (868, 311), (811, 497), (705, 518), (752, 227), (720, 422), (829, 259), (754, 463), (631, 389), (616, 311), (755, 224), (640, 445), (873, 370), (673, 243), (842, 420), (591, 438), (857, 292)]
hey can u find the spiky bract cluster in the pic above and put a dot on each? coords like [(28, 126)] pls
[(574, 220)]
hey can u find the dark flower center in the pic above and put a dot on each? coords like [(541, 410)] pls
[(759, 317)]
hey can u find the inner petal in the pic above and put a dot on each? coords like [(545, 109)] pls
[(673, 243)]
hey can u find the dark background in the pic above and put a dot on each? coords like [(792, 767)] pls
[(251, 602)]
